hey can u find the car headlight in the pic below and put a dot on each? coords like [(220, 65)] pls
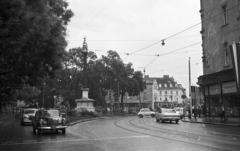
[(25, 116)]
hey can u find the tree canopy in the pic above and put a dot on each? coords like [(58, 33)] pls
[(32, 41)]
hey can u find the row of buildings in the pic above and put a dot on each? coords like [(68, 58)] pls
[(158, 92)]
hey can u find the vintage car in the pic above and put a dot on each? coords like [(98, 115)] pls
[(48, 120), (26, 114), (164, 114), (146, 112)]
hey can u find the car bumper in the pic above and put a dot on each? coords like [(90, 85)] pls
[(52, 127), (26, 120), (171, 118)]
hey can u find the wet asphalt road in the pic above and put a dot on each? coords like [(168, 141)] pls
[(120, 133)]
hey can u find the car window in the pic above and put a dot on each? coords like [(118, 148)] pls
[(28, 111), (53, 112), (169, 111)]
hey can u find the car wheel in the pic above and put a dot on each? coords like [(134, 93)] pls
[(34, 130), (141, 116), (152, 115), (170, 121), (56, 131), (22, 123), (177, 121), (63, 131), (157, 120), (163, 121)]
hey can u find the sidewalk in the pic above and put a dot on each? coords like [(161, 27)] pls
[(215, 120)]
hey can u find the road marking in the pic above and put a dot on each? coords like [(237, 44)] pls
[(141, 136), (76, 133)]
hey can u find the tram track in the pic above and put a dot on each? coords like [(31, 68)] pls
[(190, 131), (191, 138)]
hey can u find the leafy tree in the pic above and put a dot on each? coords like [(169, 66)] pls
[(32, 39)]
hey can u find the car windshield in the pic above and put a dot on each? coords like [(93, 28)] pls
[(29, 111), (53, 113), (169, 111)]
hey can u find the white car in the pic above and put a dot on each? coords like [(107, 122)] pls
[(164, 114), (146, 112), (179, 110), (26, 115)]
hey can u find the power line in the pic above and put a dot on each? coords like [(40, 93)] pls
[(184, 30), (99, 13)]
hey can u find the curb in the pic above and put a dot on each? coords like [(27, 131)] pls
[(234, 125), (91, 119), (84, 120)]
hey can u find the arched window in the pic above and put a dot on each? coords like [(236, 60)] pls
[(160, 85), (170, 85), (165, 85)]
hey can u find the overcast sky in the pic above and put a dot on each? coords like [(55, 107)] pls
[(128, 26)]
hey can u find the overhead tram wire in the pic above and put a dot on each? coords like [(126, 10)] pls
[(100, 12), (183, 30)]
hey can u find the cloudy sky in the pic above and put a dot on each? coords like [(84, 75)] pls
[(136, 27)]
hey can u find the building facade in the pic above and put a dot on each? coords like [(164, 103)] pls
[(220, 27)]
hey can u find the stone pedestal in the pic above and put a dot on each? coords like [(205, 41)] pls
[(85, 103)]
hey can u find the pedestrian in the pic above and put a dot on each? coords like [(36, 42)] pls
[(199, 111), (222, 112), (195, 112)]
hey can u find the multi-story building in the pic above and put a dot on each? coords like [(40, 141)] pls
[(220, 27), (166, 92)]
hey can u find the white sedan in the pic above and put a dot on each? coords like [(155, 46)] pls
[(164, 114), (146, 112), (26, 115)]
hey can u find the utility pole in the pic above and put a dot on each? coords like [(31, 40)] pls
[(190, 99), (43, 89)]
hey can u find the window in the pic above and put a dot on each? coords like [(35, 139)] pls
[(160, 92), (170, 85), (176, 92), (171, 92), (238, 9), (165, 92), (165, 85), (160, 85), (226, 55), (224, 9)]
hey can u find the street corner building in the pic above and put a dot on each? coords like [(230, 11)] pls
[(220, 47)]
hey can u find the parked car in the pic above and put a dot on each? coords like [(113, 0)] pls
[(164, 114), (48, 120), (26, 115), (179, 110), (146, 112)]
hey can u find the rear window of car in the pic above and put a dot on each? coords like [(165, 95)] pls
[(145, 110), (29, 111), (169, 111)]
